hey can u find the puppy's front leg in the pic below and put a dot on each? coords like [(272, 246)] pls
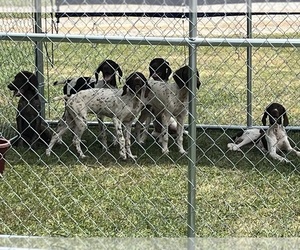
[(180, 134), (272, 143), (128, 140), (120, 137), (141, 129), (165, 135)]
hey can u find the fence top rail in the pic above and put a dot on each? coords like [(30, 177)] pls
[(181, 41), (166, 14)]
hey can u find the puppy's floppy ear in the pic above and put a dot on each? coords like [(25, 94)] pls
[(168, 70), (98, 71), (264, 118), (147, 90), (124, 90), (120, 72), (180, 76), (285, 118)]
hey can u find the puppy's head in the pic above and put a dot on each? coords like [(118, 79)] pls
[(109, 68), (159, 69), (135, 83), (276, 113), (182, 77), (23, 83)]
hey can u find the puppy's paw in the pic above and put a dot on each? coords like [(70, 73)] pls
[(165, 151), (48, 152), (233, 147), (123, 156), (284, 160), (133, 157), (182, 151), (83, 156)]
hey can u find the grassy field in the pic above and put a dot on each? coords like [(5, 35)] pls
[(238, 194)]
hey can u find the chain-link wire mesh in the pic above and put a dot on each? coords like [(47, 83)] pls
[(244, 194)]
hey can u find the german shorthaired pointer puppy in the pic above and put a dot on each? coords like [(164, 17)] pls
[(122, 105), (273, 140), (170, 100)]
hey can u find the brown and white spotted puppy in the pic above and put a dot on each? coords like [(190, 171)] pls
[(30, 124), (171, 100), (122, 105), (273, 140)]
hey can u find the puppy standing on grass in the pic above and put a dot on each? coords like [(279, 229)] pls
[(30, 124), (171, 101), (120, 105), (109, 69), (159, 70), (275, 138)]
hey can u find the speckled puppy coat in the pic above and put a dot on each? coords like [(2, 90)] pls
[(122, 105), (171, 100), (274, 140)]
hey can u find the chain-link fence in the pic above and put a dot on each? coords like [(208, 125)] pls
[(247, 56)]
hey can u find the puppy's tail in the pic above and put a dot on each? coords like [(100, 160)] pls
[(59, 82)]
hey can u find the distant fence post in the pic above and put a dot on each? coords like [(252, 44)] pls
[(249, 65)]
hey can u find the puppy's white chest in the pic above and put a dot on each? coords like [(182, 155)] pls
[(278, 132)]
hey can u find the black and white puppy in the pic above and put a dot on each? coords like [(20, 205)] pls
[(109, 69), (159, 69), (273, 140), (170, 101), (30, 124), (122, 105)]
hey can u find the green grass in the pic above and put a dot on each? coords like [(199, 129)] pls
[(238, 194)]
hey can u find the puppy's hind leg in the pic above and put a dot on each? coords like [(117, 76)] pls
[(290, 149), (180, 135), (141, 129), (79, 128), (165, 135), (56, 137), (120, 136), (102, 136), (244, 138), (128, 140)]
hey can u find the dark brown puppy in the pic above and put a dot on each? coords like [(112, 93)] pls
[(30, 124)]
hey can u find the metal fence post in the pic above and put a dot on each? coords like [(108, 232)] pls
[(39, 59), (192, 125)]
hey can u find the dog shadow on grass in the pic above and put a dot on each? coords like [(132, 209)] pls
[(211, 151)]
